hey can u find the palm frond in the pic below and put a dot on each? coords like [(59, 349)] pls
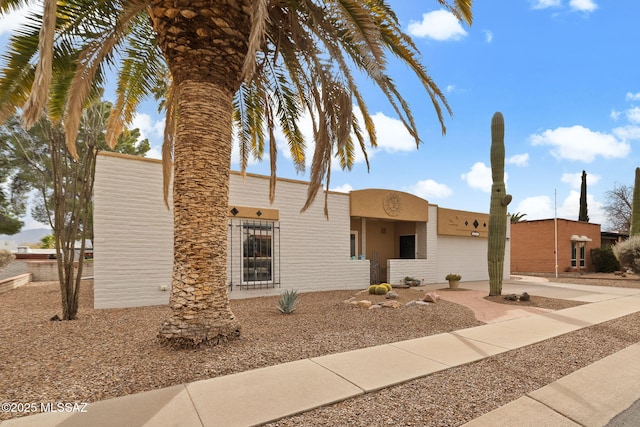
[(259, 20), (42, 78)]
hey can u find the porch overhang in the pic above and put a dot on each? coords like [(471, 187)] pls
[(389, 205)]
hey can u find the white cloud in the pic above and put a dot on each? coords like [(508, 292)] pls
[(154, 153), (627, 133), (450, 88), (542, 207), (575, 179), (488, 36), (438, 25), (544, 4), (536, 207), (580, 143), (479, 176), (428, 189), (12, 21), (518, 159), (633, 115), (615, 115), (583, 5), (392, 135), (344, 188), (632, 96), (149, 128)]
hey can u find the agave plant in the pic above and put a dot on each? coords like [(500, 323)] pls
[(288, 301)]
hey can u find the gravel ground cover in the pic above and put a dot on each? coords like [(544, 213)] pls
[(110, 353)]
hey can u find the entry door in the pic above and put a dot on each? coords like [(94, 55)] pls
[(408, 247)]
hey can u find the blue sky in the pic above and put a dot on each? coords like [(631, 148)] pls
[(564, 73)]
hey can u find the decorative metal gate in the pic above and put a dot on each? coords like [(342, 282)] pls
[(254, 254)]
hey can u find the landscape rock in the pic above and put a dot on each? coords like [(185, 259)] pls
[(390, 304), (511, 297), (431, 297), (391, 295), (375, 306), (364, 303), (525, 297)]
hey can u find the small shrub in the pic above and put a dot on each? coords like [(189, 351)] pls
[(452, 277), (604, 261), (288, 301), (372, 289), (628, 253), (381, 290)]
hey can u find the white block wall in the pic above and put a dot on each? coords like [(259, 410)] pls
[(467, 256), (133, 234), (133, 230)]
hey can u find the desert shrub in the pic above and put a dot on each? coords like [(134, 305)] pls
[(6, 258), (453, 277), (381, 290), (604, 261), (288, 301), (628, 253)]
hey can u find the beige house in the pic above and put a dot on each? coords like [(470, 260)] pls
[(274, 246)]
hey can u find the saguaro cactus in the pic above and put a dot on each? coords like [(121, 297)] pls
[(635, 206), (583, 215), (498, 211)]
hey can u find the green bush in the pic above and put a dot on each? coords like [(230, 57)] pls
[(604, 261), (628, 253), (288, 301)]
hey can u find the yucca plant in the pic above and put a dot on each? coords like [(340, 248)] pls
[(288, 301)]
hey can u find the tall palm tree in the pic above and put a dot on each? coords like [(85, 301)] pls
[(260, 63)]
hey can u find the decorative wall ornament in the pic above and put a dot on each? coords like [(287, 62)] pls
[(392, 203)]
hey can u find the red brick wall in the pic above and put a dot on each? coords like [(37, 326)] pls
[(533, 244)]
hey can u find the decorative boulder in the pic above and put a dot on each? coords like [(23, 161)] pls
[(525, 297), (511, 297), (391, 295), (431, 297), (364, 303), (390, 304)]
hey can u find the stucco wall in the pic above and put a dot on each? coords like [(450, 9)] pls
[(134, 235)]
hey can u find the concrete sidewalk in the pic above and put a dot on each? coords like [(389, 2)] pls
[(591, 396)]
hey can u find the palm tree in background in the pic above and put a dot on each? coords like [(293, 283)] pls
[(256, 63)]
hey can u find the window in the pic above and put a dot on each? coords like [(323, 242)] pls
[(257, 251), (408, 246), (354, 245)]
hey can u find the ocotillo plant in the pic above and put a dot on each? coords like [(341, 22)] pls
[(583, 215), (635, 206), (498, 211)]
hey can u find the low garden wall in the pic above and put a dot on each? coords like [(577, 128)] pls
[(14, 282), (45, 271)]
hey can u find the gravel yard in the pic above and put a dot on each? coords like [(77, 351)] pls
[(109, 353)]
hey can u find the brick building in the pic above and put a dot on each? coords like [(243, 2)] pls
[(533, 245)]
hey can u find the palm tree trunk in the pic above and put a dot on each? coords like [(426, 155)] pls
[(199, 295)]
